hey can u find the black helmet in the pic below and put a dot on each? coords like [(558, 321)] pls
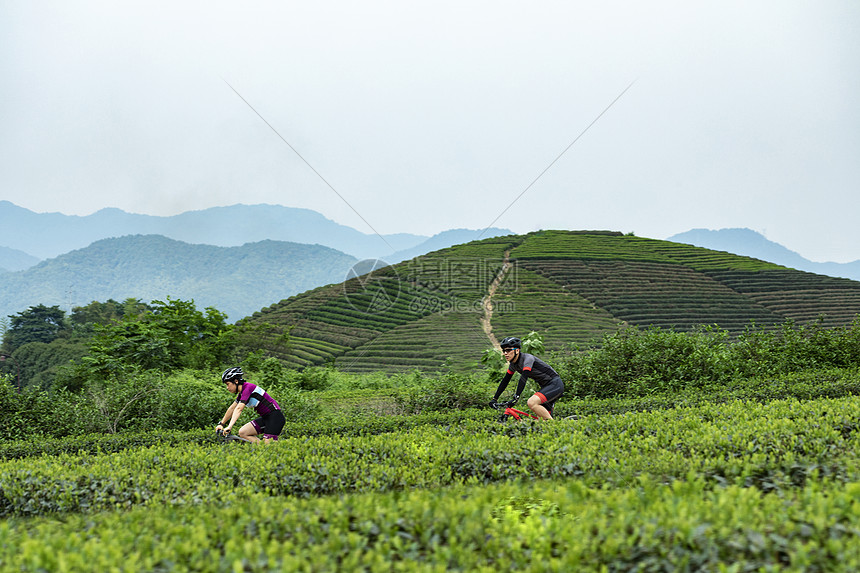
[(511, 342), (233, 374)]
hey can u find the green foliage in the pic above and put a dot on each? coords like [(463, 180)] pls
[(770, 447), (533, 344), (173, 335), (41, 363), (84, 318), (125, 400), (520, 507), (314, 378), (651, 527), (794, 348), (257, 340), (38, 323), (188, 400), (298, 405), (13, 420), (746, 475), (36, 413), (444, 392), (495, 364), (634, 362), (346, 381), (149, 400), (266, 372)]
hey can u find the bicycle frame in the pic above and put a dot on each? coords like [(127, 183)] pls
[(226, 437), (510, 412)]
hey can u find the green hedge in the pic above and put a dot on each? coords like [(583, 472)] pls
[(552, 526), (773, 447)]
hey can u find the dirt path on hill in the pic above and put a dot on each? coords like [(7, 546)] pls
[(487, 303)]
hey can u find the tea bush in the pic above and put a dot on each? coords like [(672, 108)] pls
[(665, 482), (636, 362), (565, 526)]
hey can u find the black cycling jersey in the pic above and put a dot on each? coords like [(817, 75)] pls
[(529, 366)]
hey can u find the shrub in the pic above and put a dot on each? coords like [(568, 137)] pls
[(12, 422), (792, 348), (190, 399), (445, 392), (495, 364), (637, 362), (268, 373), (125, 400), (297, 405), (314, 378)]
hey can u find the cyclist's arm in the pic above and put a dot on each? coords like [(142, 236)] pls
[(521, 383), (504, 384), (528, 363), (227, 415), (237, 408)]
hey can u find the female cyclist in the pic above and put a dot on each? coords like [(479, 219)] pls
[(271, 420)]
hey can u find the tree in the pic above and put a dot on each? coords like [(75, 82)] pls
[(36, 324), (172, 335), (40, 362), (84, 318)]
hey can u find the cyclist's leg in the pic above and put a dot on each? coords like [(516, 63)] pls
[(542, 402), (273, 425), (250, 430), (535, 404), (265, 428)]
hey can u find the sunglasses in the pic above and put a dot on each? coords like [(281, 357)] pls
[(506, 350)]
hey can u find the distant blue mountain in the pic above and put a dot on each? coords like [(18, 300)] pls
[(443, 240), (752, 244), (45, 235), (15, 260), (236, 280)]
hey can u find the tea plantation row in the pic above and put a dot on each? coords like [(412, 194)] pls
[(734, 487), (684, 526), (770, 446)]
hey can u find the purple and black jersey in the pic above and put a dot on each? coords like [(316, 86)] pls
[(257, 398)]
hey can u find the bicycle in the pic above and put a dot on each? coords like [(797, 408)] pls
[(227, 437), (509, 412)]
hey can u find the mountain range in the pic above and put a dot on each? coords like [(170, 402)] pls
[(15, 260), (752, 244), (237, 259), (30, 237), (46, 235), (235, 280), (241, 258)]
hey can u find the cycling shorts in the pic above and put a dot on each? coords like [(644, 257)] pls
[(270, 425), (550, 393)]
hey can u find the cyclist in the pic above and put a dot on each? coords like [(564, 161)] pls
[(271, 420), (550, 383)]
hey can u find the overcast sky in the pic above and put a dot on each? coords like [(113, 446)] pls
[(425, 116)]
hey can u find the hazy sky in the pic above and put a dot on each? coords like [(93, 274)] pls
[(426, 116)]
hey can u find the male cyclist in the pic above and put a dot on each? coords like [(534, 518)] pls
[(548, 380), (271, 420)]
